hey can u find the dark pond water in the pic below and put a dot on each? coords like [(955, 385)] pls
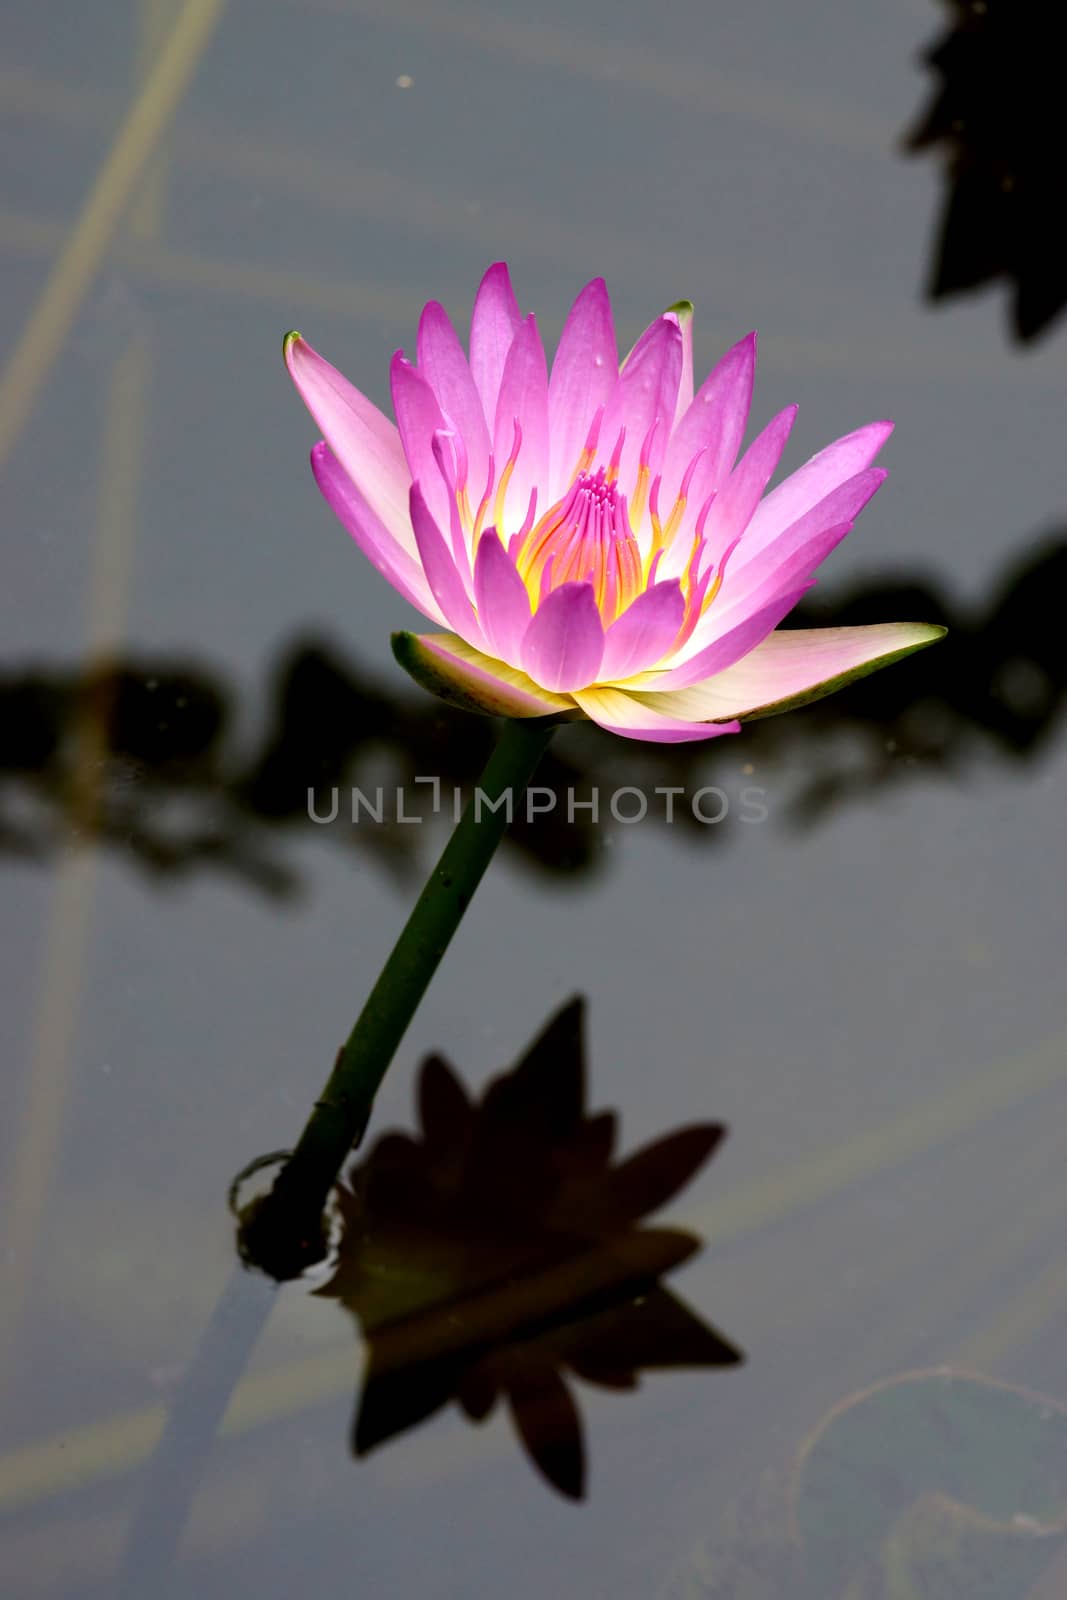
[(866, 988)]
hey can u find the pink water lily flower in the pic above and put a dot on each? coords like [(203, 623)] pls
[(586, 536)]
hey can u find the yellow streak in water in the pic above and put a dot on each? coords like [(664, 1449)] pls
[(50, 321), (63, 964)]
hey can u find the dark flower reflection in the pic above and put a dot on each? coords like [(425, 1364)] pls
[(997, 118), (141, 756), (502, 1249)]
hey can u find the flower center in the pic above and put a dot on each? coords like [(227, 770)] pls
[(585, 538), (593, 534)]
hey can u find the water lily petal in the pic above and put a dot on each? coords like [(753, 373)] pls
[(501, 597), (442, 574), (583, 375), (364, 441), (788, 562), (793, 575), (714, 423), (445, 367), (775, 564), (644, 633), (646, 389), (794, 666), (730, 645), (682, 310), (564, 643), (523, 396), (419, 417), (383, 551), (736, 501), (634, 718), (449, 667), (494, 324), (811, 483)]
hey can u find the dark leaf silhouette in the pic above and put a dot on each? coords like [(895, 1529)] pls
[(997, 119), (500, 1250)]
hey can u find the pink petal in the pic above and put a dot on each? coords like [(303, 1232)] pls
[(442, 574), (494, 324), (733, 507), (731, 645), (370, 533), (583, 376), (786, 564), (715, 422), (841, 506), (794, 666), (792, 576), (523, 395), (632, 718), (444, 365), (501, 597), (419, 417), (813, 481), (565, 641), (364, 441), (646, 389), (445, 459), (683, 312), (644, 633), (453, 669)]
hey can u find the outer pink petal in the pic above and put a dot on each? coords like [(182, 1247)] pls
[(564, 643), (683, 310), (730, 645), (644, 633), (583, 376), (733, 507), (448, 666), (419, 417), (501, 597), (794, 666), (813, 481), (494, 323), (789, 578), (442, 574), (715, 422), (523, 395), (444, 365), (788, 562), (634, 718), (839, 508), (646, 390), (370, 533), (364, 441)]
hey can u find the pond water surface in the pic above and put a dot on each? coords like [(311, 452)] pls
[(860, 977)]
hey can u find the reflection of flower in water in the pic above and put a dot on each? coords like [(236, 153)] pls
[(503, 1247)]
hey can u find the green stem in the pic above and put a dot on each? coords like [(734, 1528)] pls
[(284, 1234)]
